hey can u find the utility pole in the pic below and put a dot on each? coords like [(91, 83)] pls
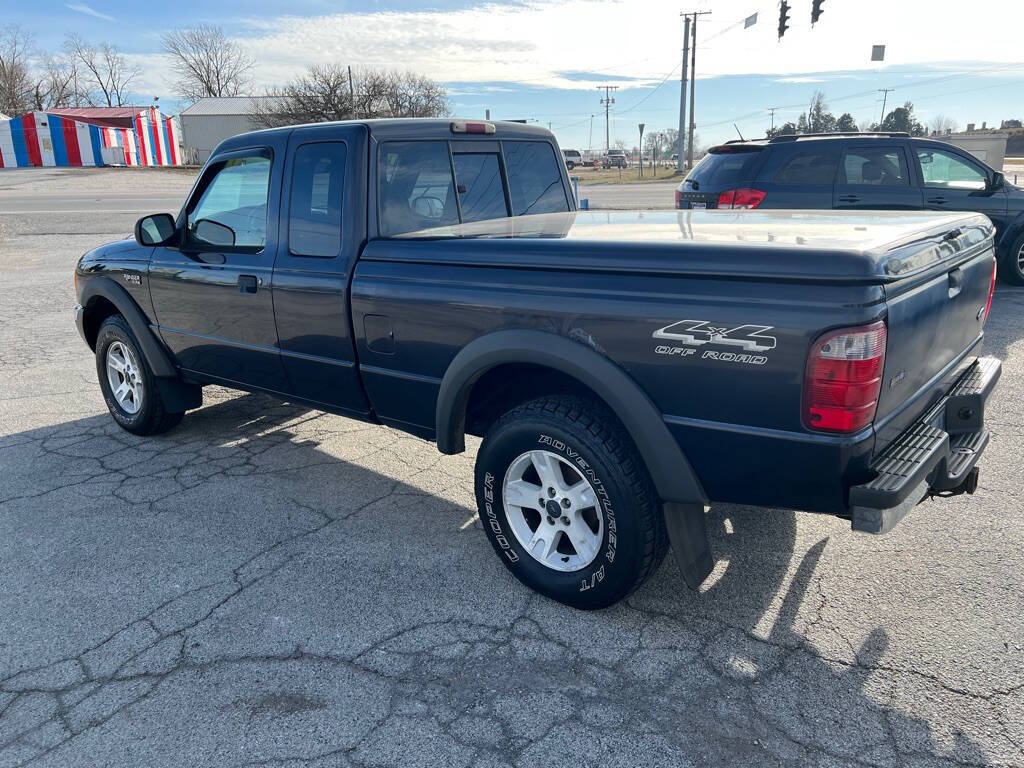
[(885, 93), (693, 86), (607, 101), (351, 92), (681, 158), (771, 111), (590, 142)]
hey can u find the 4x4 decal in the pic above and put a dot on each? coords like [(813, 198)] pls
[(750, 338), (689, 335)]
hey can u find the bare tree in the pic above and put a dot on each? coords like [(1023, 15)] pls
[(207, 63), (942, 124), (104, 67), (336, 92), (15, 80), (58, 83)]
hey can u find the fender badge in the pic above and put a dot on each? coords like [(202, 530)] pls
[(897, 379), (133, 279)]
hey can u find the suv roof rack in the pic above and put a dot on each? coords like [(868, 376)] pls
[(795, 136)]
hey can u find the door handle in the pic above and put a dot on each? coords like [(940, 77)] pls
[(849, 198), (248, 283), (937, 200)]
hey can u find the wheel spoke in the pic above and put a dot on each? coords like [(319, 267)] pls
[(547, 468), (582, 540), (520, 493), (122, 391), (544, 541), (582, 496), (116, 362)]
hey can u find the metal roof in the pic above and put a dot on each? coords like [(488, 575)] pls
[(225, 105)]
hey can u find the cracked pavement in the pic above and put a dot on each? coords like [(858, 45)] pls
[(272, 586)]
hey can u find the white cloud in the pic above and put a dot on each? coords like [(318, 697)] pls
[(88, 11), (533, 42), (800, 80)]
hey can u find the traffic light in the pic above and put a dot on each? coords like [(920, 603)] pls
[(815, 11), (783, 18)]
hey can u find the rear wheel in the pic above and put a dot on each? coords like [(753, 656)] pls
[(127, 382), (1011, 266), (567, 503)]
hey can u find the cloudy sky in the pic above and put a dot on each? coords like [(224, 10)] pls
[(544, 60)]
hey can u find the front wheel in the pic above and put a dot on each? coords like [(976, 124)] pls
[(1011, 266), (127, 382), (567, 503)]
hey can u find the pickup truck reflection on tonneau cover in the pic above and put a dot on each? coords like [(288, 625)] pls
[(624, 369)]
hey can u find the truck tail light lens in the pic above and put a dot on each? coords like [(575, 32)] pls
[(844, 378), (744, 197), (679, 198), (991, 293), (465, 126)]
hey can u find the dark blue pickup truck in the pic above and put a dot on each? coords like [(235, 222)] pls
[(624, 369)]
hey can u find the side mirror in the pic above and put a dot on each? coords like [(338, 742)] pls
[(157, 229), (212, 232), (998, 181)]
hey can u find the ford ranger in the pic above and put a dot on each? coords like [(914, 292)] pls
[(624, 370)]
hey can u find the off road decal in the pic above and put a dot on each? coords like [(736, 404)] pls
[(603, 499), (690, 335)]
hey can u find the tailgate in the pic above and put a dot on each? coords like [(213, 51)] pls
[(936, 312)]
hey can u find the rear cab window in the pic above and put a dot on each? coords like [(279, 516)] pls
[(724, 167), (425, 184)]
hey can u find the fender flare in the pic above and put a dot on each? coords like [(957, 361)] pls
[(154, 351), (671, 472), (1013, 230)]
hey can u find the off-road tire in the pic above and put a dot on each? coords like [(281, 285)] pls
[(589, 436), (153, 417), (1011, 266)]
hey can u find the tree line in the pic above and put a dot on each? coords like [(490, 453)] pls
[(206, 63), (818, 119)]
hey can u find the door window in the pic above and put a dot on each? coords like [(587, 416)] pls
[(478, 180), (314, 215), (415, 187), (876, 167), (534, 178), (949, 171), (232, 208), (808, 167)]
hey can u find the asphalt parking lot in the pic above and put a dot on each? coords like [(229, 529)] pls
[(269, 585)]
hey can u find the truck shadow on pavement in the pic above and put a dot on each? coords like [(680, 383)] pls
[(267, 584)]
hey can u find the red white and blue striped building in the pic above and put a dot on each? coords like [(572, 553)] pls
[(90, 137)]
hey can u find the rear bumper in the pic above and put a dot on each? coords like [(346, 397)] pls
[(936, 454)]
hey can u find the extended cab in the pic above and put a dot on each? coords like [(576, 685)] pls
[(624, 370)]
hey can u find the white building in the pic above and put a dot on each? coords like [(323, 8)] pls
[(209, 121)]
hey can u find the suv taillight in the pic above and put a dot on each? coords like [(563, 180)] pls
[(991, 289), (844, 378), (679, 198), (744, 197)]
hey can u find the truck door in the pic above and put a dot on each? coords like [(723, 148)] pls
[(951, 181), (323, 226), (875, 176), (211, 293)]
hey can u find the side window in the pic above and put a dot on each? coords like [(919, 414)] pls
[(876, 166), (415, 188), (478, 180), (808, 167), (949, 171), (534, 179), (314, 214), (232, 208)]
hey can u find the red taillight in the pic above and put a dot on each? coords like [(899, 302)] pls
[(991, 291), (743, 197), (465, 126), (844, 378), (679, 198)]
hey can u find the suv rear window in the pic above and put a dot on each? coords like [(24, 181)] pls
[(721, 170), (811, 166)]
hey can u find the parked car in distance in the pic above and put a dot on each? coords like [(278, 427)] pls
[(624, 370), (572, 158), (860, 171), (615, 158)]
